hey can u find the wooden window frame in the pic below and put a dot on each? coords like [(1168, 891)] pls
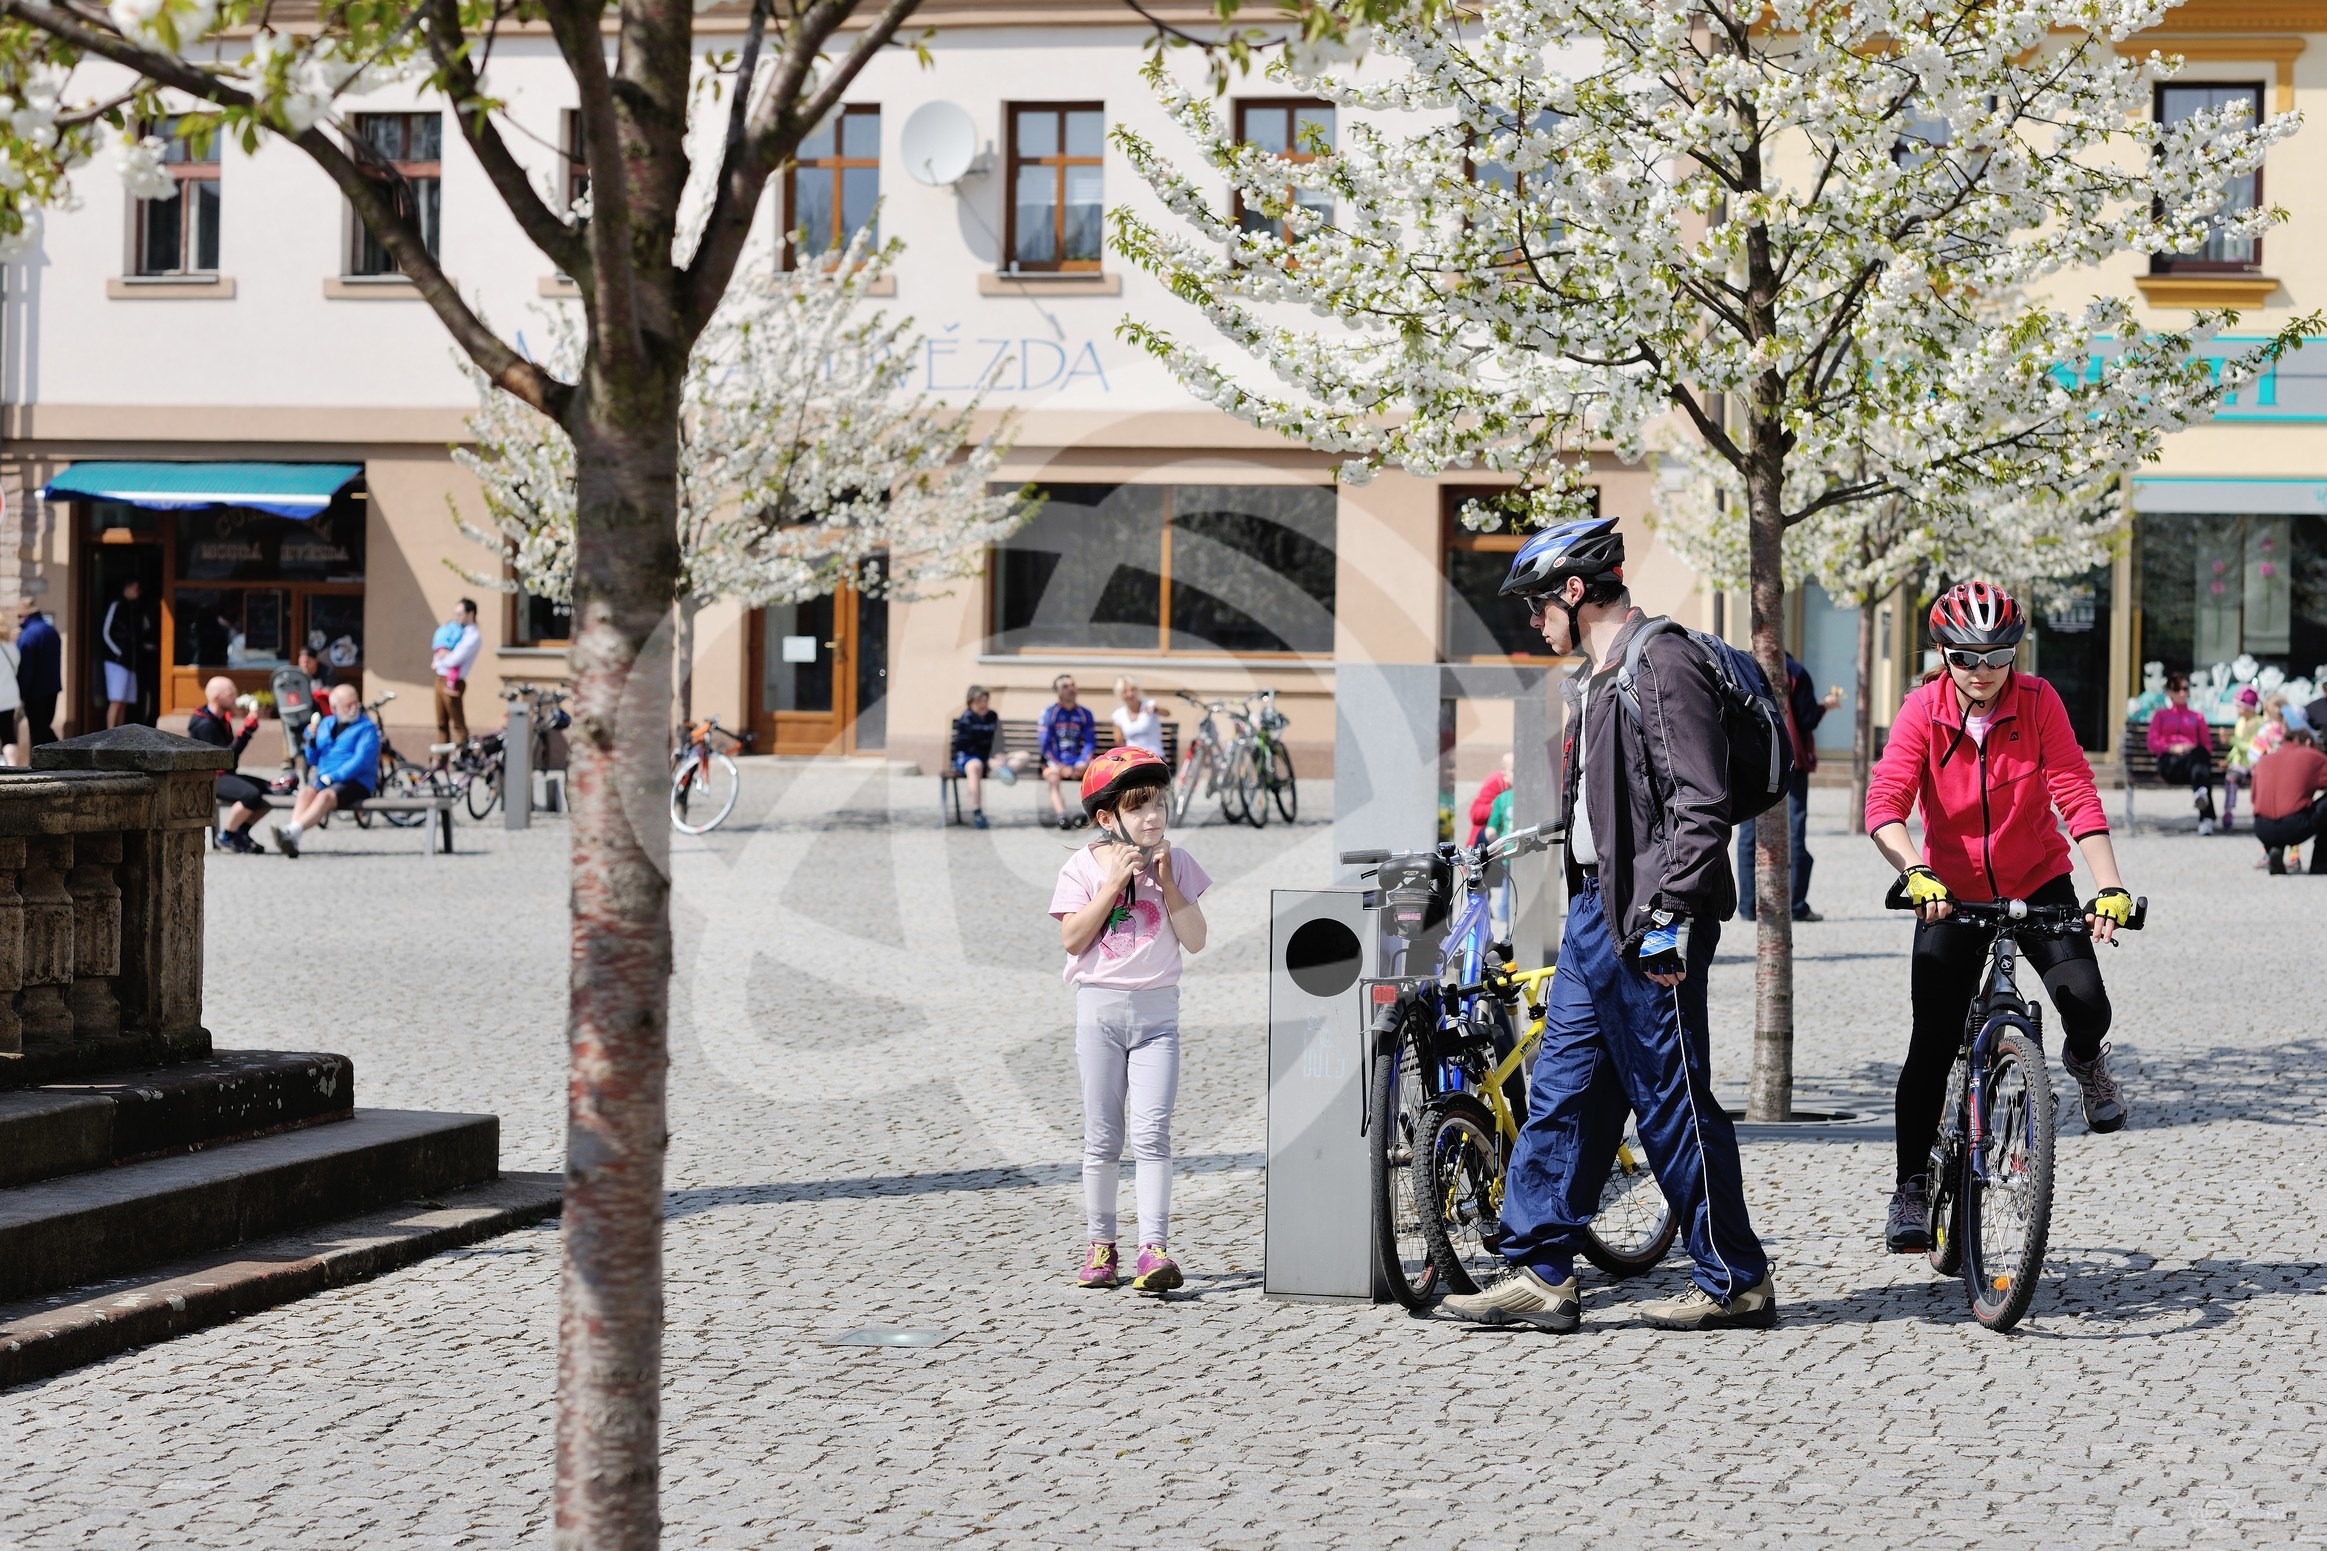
[(1454, 536), (1292, 153), (413, 173), (833, 167), (1058, 163), (2175, 264), (182, 173)]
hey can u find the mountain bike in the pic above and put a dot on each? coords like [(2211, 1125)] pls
[(1428, 1077), (1260, 766), (473, 770), (1990, 1175), (1203, 760), (704, 780)]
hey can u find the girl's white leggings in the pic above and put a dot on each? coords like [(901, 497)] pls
[(1127, 1044)]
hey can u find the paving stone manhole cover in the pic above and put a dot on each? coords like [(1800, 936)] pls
[(879, 1336)]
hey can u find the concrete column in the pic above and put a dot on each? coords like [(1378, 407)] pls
[(1538, 882), (1385, 759)]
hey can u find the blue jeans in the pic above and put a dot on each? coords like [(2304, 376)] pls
[(1798, 822), (1608, 1022)]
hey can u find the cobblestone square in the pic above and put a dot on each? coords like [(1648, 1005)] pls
[(875, 1122)]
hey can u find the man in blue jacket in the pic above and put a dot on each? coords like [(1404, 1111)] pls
[(39, 673), (343, 763)]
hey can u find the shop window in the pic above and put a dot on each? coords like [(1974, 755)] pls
[(834, 184), (1056, 157), (1297, 130), (538, 621), (247, 588), (412, 145), (2221, 252), (179, 235), (1246, 570), (2216, 588), (1482, 625)]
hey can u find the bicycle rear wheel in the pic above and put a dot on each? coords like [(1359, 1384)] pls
[(1282, 791), (408, 780), (2008, 1213), (1459, 1174), (1634, 1227), (484, 790), (703, 794), (1256, 786), (1400, 1096), (1236, 784)]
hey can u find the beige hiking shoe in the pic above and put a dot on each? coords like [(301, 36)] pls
[(1522, 1298), (1756, 1308)]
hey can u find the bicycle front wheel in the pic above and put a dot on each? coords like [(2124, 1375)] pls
[(703, 794), (484, 790), (1282, 791), (2007, 1184), (1237, 785), (407, 780), (1189, 781), (1634, 1227), (1400, 1095), (1459, 1171), (1256, 786)]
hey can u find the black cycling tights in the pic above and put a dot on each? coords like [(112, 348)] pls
[(1949, 960)]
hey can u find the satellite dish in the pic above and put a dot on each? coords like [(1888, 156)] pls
[(939, 144)]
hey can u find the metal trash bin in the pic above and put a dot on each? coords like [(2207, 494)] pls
[(1317, 1234)]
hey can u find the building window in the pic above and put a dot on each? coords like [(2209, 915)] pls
[(247, 589), (1056, 151), (2221, 253), (1481, 624), (2216, 588), (577, 158), (1245, 570), (1297, 130), (539, 621), (834, 183), (179, 235), (413, 145)]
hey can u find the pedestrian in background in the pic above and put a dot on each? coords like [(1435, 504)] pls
[(2290, 802), (452, 653), (122, 636), (1137, 721), (1126, 905), (1490, 792), (2183, 746), (39, 674), (2242, 753), (214, 724), (974, 735), (1069, 737), (10, 700), (1804, 711)]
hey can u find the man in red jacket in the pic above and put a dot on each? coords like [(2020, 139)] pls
[(2290, 801), (2184, 747)]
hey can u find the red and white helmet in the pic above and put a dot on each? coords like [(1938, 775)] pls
[(1117, 771), (1977, 614)]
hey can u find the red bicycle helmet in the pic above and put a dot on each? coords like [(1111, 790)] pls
[(1977, 614), (1120, 770)]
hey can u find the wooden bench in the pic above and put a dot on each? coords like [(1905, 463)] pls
[(1024, 737), (2137, 767)]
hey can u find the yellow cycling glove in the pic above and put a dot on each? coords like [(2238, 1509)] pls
[(2111, 905), (1924, 887)]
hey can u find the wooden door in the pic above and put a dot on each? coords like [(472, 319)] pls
[(801, 683)]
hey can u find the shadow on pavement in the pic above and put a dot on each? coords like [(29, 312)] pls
[(686, 1203)]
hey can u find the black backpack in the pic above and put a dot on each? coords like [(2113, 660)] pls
[(1761, 756)]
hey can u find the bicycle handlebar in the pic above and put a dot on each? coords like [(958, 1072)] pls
[(2015, 912), (1364, 858)]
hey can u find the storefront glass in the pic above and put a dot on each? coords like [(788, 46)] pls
[(247, 589), (2214, 588)]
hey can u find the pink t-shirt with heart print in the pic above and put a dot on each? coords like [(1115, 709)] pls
[(1137, 949)]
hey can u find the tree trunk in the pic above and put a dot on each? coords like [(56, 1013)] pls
[(1862, 717), (611, 1306), (683, 647), (1770, 1084)]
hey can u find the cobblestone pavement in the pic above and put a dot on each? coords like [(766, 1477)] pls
[(874, 1122)]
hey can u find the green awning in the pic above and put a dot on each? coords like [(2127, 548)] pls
[(285, 489)]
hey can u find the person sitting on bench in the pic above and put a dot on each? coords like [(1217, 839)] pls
[(214, 724), (343, 762), (2184, 746)]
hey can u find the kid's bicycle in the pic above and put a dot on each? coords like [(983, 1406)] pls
[(1204, 762), (1990, 1176)]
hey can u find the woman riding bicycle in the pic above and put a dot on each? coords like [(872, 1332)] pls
[(1988, 755)]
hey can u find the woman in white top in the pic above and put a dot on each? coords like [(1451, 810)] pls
[(10, 699), (1137, 719)]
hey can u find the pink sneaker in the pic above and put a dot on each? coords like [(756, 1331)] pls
[(1100, 1269), (1158, 1273)]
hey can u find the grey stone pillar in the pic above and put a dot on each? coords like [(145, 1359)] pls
[(41, 1010), (96, 935), (11, 944)]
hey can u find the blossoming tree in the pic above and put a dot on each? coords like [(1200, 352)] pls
[(1550, 225), (805, 460)]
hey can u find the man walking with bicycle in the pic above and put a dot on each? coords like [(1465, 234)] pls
[(1645, 803)]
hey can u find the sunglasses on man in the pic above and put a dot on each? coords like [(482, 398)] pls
[(1970, 660)]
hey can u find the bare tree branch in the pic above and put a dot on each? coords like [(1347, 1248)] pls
[(563, 245)]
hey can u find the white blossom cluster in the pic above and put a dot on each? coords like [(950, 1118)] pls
[(1817, 238), (805, 461)]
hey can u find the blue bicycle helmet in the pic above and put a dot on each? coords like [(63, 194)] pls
[(1589, 547)]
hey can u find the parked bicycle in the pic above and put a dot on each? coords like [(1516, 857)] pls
[(1259, 766), (1991, 1167), (1443, 1064), (1203, 760), (399, 777), (704, 780), (477, 770)]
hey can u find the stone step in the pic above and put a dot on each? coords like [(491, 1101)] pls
[(43, 1336), (123, 1117), (83, 1227)]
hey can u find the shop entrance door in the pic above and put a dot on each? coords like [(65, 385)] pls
[(117, 557), (820, 673)]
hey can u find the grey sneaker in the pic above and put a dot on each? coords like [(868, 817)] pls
[(1522, 1298), (1755, 1308), (2104, 1107), (1908, 1228)]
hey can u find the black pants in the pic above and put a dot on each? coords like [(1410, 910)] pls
[(40, 715), (252, 794), (1949, 959), (2301, 825), (2195, 770)]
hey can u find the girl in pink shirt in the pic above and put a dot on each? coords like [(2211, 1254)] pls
[(1126, 907)]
